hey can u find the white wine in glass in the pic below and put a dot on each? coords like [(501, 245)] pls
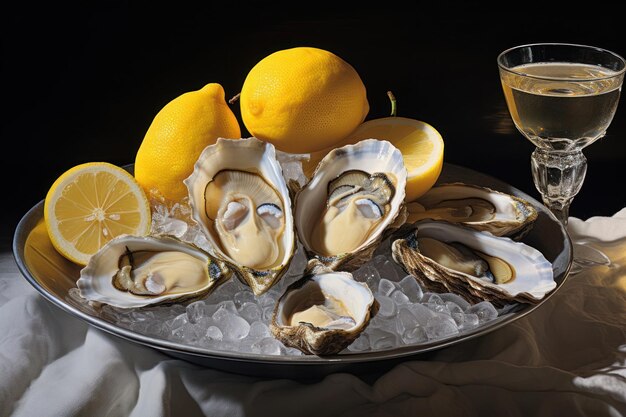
[(557, 114), (561, 97)]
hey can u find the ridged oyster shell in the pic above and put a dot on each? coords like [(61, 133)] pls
[(98, 279), (248, 159), (478, 207), (533, 274), (381, 163), (343, 304)]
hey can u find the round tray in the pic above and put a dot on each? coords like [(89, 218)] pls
[(53, 276)]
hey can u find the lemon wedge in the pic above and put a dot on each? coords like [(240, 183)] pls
[(421, 145), (89, 205)]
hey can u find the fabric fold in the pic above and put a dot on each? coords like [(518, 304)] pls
[(568, 357)]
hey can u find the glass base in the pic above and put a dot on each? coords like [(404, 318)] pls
[(587, 256), (558, 176)]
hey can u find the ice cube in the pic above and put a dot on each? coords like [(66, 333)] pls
[(292, 170), (245, 296), (269, 298), (367, 274), (431, 297), (421, 313), (258, 330), (387, 308), (187, 333), (456, 299), (386, 287), (380, 322), (360, 344), (140, 315), (214, 333), (269, 346), (268, 312), (453, 307), (178, 321), (437, 307), (456, 312), (157, 328), (440, 326), (170, 226), (458, 318), (389, 270), (228, 305), (196, 311), (405, 320), (415, 335), (381, 339), (290, 351), (139, 326), (233, 327), (250, 312), (484, 310), (227, 290), (411, 288), (470, 321), (399, 298)]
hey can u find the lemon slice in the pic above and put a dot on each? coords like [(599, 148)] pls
[(89, 205), (420, 143)]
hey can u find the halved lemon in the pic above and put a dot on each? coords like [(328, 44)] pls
[(89, 205), (421, 146)]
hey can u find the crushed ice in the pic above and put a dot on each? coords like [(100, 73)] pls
[(233, 319)]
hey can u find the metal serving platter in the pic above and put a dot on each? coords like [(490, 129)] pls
[(53, 276)]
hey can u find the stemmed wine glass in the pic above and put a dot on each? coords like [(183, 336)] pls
[(561, 97)]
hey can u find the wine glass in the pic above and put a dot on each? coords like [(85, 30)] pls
[(562, 97)]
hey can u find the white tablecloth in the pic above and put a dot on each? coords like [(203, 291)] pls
[(567, 358)]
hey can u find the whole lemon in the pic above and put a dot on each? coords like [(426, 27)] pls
[(303, 99), (178, 134)]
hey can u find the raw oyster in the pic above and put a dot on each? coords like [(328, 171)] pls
[(323, 312), (478, 207), (135, 271), (355, 196), (447, 257), (241, 202)]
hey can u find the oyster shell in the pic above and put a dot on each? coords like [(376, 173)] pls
[(135, 271), (447, 257), (323, 312), (478, 207), (241, 202), (353, 199)]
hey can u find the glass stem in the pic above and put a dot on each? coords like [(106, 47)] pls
[(558, 177)]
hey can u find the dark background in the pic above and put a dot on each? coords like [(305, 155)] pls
[(83, 85)]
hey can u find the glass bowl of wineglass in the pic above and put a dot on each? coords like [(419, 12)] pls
[(561, 97)]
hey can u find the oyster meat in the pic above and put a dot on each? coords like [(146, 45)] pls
[(323, 312), (241, 202), (135, 271), (355, 195), (448, 257), (478, 207)]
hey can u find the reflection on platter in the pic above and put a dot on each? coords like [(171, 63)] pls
[(232, 324)]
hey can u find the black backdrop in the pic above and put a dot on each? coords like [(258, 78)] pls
[(83, 85)]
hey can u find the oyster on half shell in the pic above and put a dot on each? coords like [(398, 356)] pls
[(323, 312), (135, 271), (355, 196), (478, 207), (447, 257), (240, 200)]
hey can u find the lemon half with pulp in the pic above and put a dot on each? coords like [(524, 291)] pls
[(89, 205), (421, 145)]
